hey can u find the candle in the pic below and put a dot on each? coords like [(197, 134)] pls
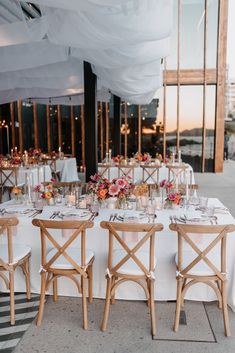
[(59, 149), (12, 153), (71, 200), (16, 149), (186, 187), (179, 156), (173, 158), (177, 183)]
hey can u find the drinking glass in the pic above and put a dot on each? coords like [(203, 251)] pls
[(203, 202), (210, 211), (58, 199), (151, 212)]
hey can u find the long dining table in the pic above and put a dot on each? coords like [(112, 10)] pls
[(97, 240)]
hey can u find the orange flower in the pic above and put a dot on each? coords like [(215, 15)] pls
[(16, 190), (48, 195), (49, 187), (102, 193)]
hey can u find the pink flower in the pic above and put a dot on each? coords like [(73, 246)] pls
[(121, 183), (171, 197), (113, 190), (37, 188), (163, 183)]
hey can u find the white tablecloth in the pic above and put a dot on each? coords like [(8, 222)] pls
[(138, 174), (37, 174), (67, 168), (97, 240)]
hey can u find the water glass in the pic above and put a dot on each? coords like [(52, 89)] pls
[(151, 212), (210, 211), (203, 202), (58, 199)]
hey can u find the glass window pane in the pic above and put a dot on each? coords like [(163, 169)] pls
[(171, 60), (150, 128), (191, 115), (192, 34), (27, 125), (171, 119), (54, 127), (212, 33), (65, 129), (42, 127), (210, 128)]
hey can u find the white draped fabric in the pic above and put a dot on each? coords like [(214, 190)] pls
[(124, 40)]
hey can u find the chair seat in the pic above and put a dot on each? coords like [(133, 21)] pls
[(130, 267), (200, 269), (74, 253), (19, 252)]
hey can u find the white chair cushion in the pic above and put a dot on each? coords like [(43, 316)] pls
[(200, 269), (74, 253), (130, 267), (19, 252)]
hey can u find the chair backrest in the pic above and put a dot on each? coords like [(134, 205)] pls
[(6, 224), (9, 176), (184, 234), (148, 229), (64, 184), (79, 228)]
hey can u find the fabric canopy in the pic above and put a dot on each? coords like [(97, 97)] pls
[(124, 40)]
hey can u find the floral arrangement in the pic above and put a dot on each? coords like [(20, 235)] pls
[(34, 152), (146, 157), (48, 192), (174, 198), (141, 190), (118, 158), (166, 184), (103, 188), (16, 191)]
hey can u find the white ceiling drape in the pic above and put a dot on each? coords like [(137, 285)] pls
[(124, 40)]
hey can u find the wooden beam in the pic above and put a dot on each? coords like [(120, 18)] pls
[(116, 125), (90, 110), (204, 90), (59, 126), (190, 77), (107, 126), (83, 135), (178, 80), (48, 128), (12, 124), (101, 132), (139, 128), (19, 112), (164, 112), (125, 136), (221, 81), (72, 130), (35, 124)]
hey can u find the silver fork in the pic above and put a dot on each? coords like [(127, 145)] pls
[(111, 217)]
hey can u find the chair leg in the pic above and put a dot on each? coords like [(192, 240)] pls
[(55, 289), (225, 308), (12, 298), (42, 298), (84, 303), (27, 278), (149, 289), (152, 309), (107, 305), (113, 295), (178, 303), (90, 283)]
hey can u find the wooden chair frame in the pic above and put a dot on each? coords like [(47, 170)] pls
[(10, 266), (13, 173), (115, 278), (126, 170), (49, 275), (150, 170), (218, 281), (103, 169)]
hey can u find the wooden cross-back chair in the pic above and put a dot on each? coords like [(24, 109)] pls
[(52, 164), (126, 265), (64, 260), (194, 268), (9, 179), (12, 256)]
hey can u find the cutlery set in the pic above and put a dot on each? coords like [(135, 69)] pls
[(57, 214), (183, 219)]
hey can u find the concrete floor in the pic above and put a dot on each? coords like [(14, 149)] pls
[(129, 324)]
